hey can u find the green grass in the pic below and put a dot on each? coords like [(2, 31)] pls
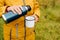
[(48, 28), (1, 29)]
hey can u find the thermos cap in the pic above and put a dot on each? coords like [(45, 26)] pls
[(29, 8)]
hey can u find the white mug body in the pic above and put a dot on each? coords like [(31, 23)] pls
[(30, 21)]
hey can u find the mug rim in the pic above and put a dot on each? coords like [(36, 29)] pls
[(30, 20)]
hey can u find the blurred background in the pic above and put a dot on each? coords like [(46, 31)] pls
[(48, 28)]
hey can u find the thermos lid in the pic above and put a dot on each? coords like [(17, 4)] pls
[(29, 8)]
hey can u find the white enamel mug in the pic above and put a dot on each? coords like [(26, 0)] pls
[(30, 21)]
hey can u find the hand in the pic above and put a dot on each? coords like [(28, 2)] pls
[(36, 18), (15, 9)]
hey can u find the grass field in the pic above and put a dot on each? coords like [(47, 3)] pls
[(48, 28)]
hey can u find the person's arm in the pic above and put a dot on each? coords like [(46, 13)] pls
[(2, 7), (36, 10)]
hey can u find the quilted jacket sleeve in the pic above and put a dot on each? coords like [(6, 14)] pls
[(2, 7), (36, 8)]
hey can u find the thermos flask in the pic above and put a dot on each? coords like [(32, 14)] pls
[(10, 16)]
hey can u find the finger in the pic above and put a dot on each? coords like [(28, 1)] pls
[(9, 8), (20, 12), (36, 20), (13, 11), (20, 7)]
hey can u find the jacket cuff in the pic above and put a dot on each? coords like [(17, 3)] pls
[(37, 15), (6, 9)]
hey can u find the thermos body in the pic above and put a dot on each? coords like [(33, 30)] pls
[(10, 16)]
